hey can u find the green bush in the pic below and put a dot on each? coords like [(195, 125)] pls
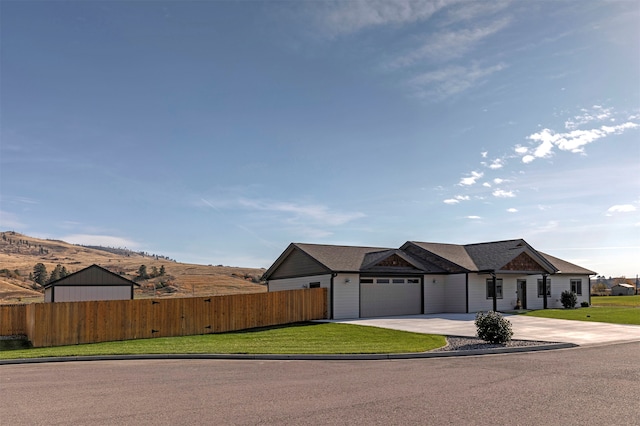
[(584, 304), (493, 327), (568, 299)]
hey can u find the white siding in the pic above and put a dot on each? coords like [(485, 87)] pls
[(455, 293), (47, 295), (390, 299), (85, 293), (478, 300), (434, 301), (560, 283), (347, 296)]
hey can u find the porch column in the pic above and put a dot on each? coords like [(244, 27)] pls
[(495, 293), (544, 291)]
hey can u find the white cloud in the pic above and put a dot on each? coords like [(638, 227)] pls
[(573, 141), (486, 185), (474, 217), (457, 199), (471, 180), (621, 208), (500, 193), (100, 240), (496, 164), (484, 154), (498, 181), (512, 210), (521, 149)]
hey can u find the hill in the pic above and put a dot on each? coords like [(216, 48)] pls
[(20, 253)]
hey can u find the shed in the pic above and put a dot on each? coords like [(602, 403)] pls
[(623, 290), (91, 283)]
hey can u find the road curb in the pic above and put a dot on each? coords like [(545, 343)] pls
[(292, 357)]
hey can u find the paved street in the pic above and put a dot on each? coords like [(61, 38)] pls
[(595, 385)]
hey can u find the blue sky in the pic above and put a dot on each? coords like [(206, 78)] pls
[(219, 132)]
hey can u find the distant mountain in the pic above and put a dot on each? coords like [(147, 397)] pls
[(20, 253)]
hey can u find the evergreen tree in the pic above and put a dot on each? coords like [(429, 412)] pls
[(162, 270), (63, 272), (40, 274), (142, 272), (56, 274)]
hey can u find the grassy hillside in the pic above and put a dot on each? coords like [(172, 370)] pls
[(20, 253)]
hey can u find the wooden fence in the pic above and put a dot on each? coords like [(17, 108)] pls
[(69, 323), (13, 320)]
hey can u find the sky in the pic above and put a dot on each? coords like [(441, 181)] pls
[(218, 132)]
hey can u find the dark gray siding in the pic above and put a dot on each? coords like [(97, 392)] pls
[(298, 264)]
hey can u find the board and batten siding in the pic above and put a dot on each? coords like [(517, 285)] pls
[(78, 293), (455, 293), (346, 303), (298, 264), (434, 286)]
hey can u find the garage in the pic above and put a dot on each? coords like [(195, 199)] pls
[(389, 296)]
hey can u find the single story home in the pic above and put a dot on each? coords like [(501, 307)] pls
[(425, 278), (622, 289), (91, 283)]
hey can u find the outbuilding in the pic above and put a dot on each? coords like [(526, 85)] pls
[(623, 290), (91, 283), (424, 278)]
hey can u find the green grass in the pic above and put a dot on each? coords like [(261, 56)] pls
[(611, 314), (628, 301), (308, 338)]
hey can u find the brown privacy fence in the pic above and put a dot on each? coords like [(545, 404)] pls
[(69, 323)]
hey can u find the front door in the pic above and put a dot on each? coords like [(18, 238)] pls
[(522, 293)]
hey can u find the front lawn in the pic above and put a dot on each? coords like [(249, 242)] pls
[(614, 315), (308, 338), (628, 301)]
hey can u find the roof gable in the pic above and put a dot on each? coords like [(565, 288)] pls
[(93, 275), (392, 262)]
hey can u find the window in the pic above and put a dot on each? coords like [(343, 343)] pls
[(413, 280), (382, 281), (366, 280), (398, 281), (490, 288), (314, 285), (576, 286), (540, 291)]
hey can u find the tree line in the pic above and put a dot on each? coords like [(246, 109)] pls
[(42, 277)]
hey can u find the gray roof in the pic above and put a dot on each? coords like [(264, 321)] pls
[(565, 267), (340, 258), (432, 258)]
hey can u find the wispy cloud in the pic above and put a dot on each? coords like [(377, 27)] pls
[(293, 212), (10, 221), (451, 80), (100, 240), (344, 17), (448, 44), (512, 210)]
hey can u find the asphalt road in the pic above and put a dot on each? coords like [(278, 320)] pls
[(595, 385)]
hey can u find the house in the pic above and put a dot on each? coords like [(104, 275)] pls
[(424, 278), (622, 289), (91, 283)]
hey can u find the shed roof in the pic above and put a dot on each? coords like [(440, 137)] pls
[(73, 276)]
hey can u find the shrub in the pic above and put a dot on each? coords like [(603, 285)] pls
[(568, 299), (493, 327), (584, 304)]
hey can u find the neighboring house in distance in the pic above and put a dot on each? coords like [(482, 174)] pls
[(91, 283), (424, 278), (623, 290)]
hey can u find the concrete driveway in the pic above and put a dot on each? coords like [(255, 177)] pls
[(524, 328)]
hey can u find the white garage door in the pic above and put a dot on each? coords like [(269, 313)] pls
[(381, 297)]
